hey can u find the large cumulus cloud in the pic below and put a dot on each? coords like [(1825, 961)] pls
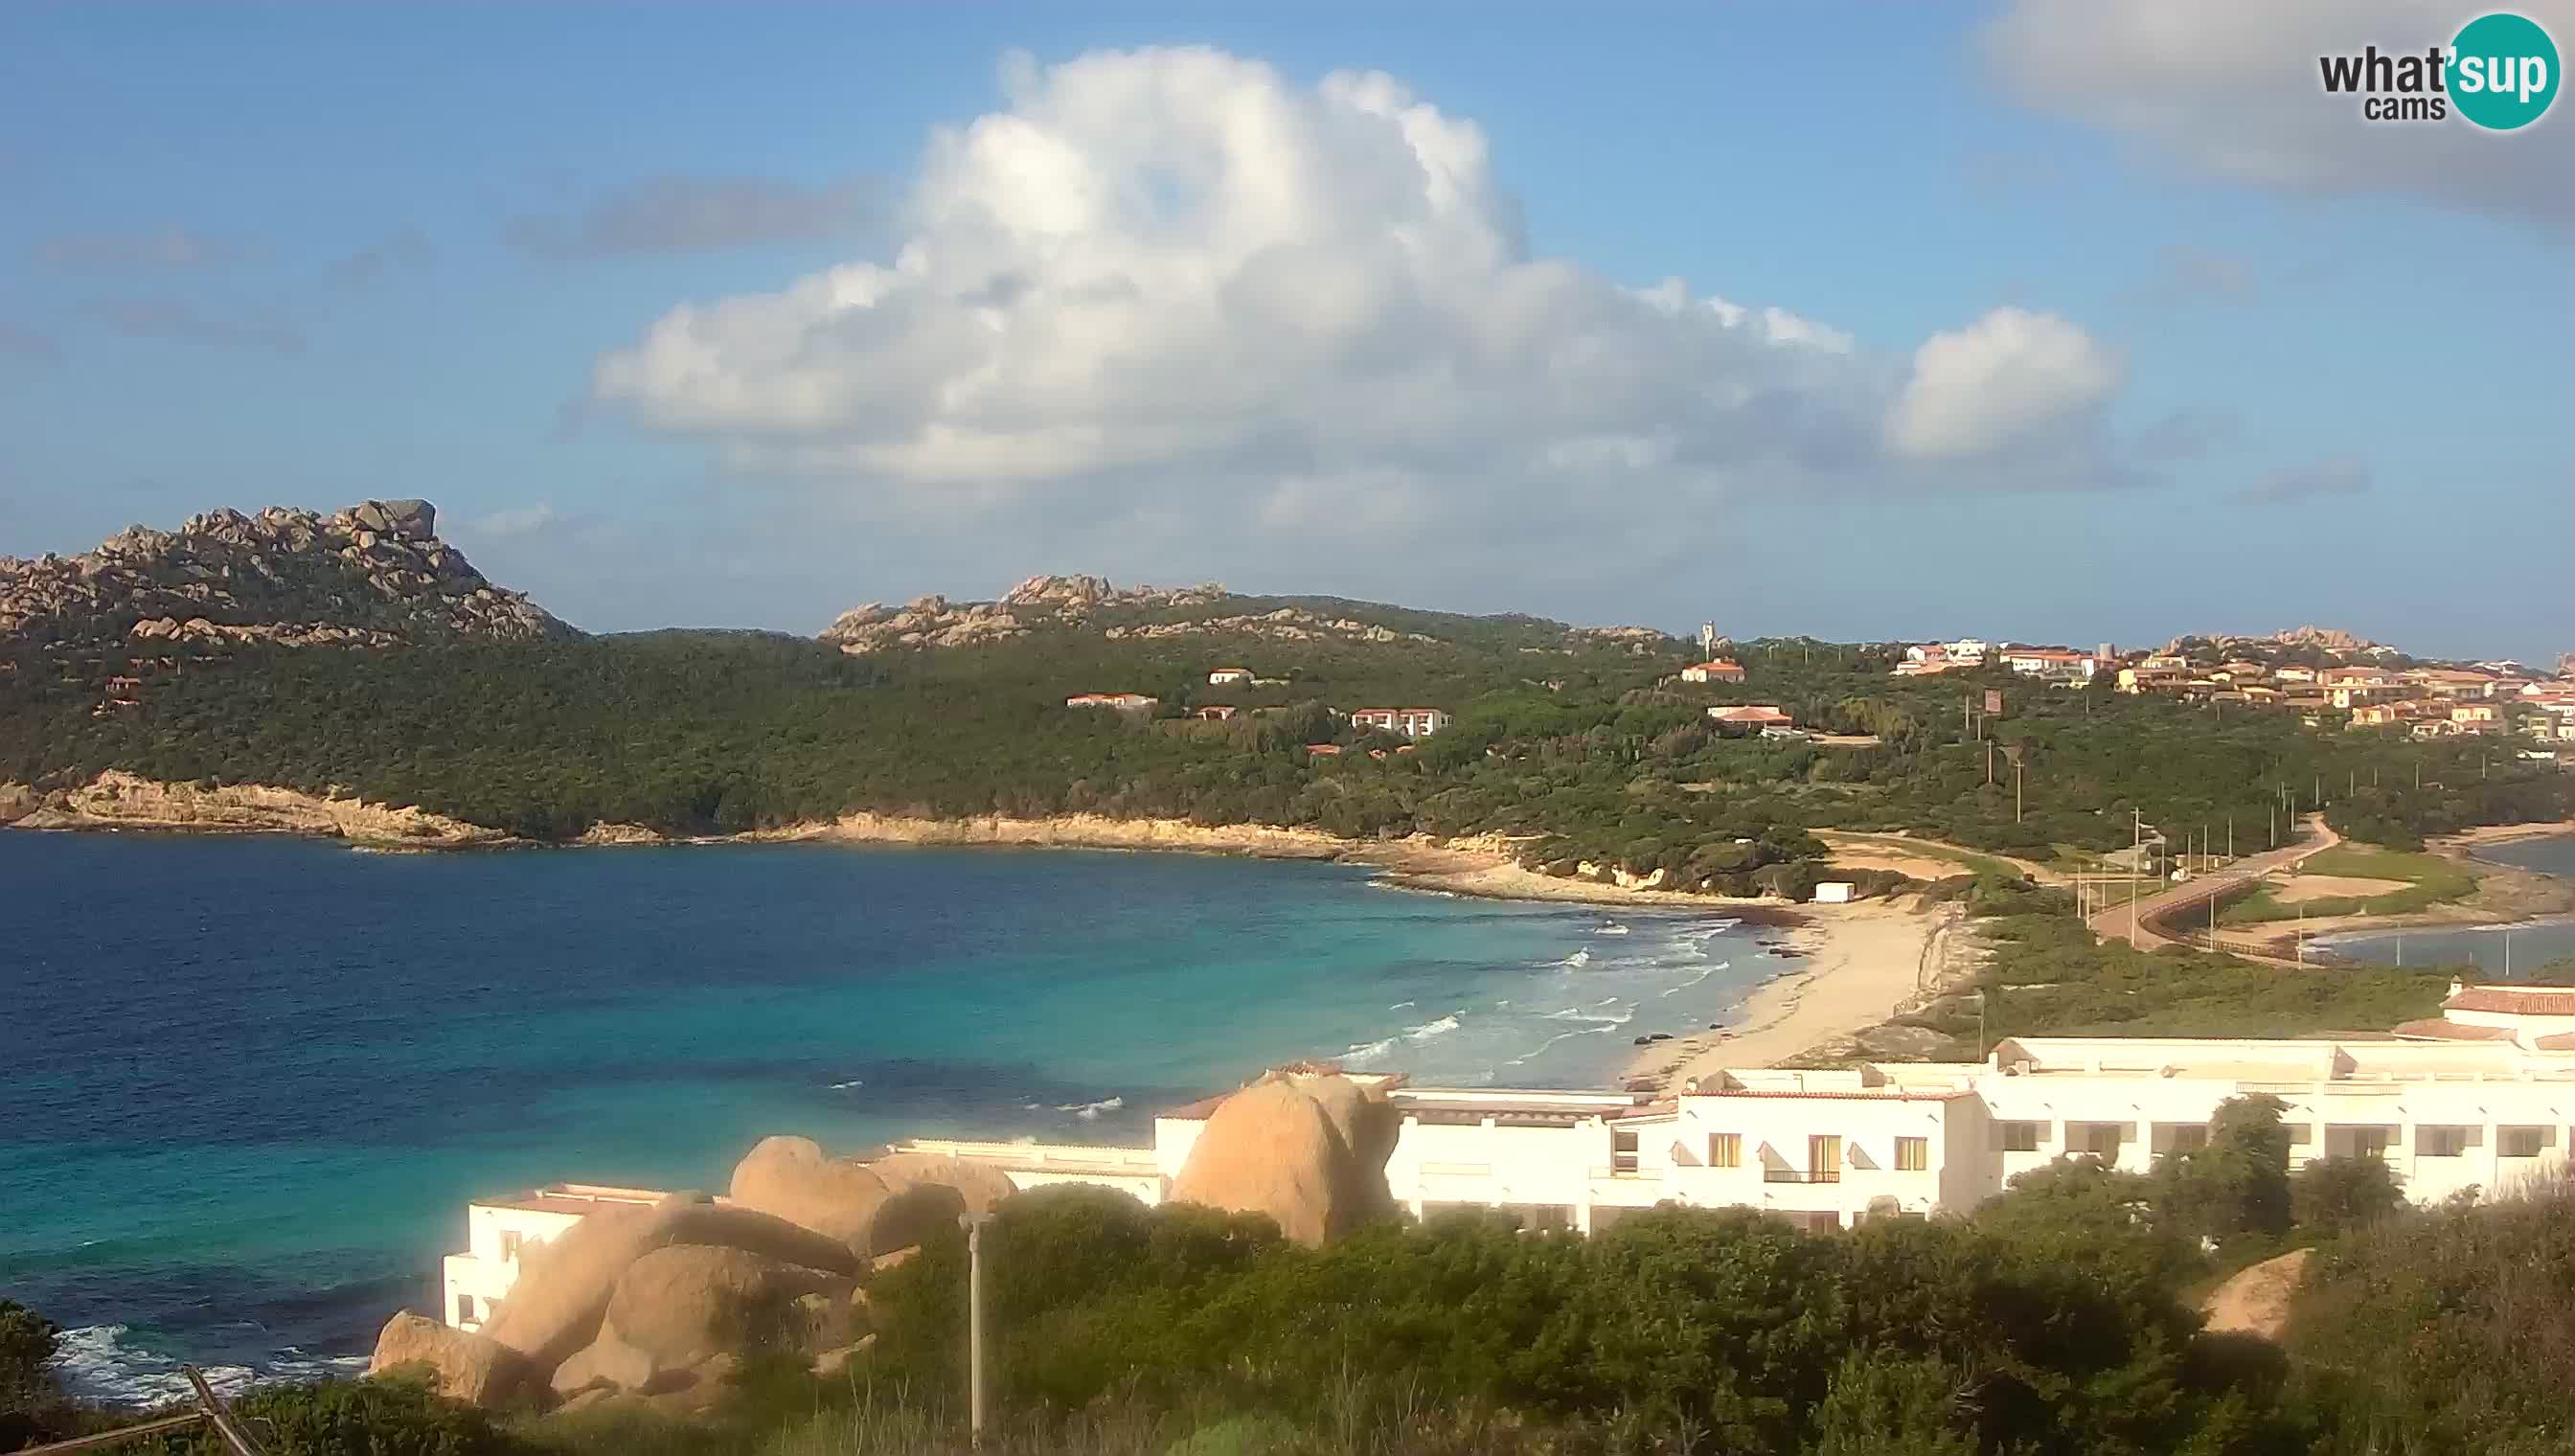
[(1315, 305)]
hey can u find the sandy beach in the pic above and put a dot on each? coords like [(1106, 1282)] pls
[(1858, 965)]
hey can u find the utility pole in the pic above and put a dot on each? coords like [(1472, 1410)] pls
[(973, 1226), (2303, 932)]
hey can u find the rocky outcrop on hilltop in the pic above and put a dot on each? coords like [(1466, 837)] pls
[(936, 621), (374, 575), (1286, 624), (2332, 640)]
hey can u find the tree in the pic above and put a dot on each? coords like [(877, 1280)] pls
[(2336, 1195), (2238, 1184)]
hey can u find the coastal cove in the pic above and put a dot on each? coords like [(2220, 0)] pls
[(2521, 948), (259, 1077)]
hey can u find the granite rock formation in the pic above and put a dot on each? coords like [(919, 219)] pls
[(375, 575), (1309, 1150)]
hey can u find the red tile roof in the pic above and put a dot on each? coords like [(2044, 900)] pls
[(1882, 1094), (2534, 1002)]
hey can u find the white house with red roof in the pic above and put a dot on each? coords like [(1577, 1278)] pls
[(1714, 670), (1410, 723)]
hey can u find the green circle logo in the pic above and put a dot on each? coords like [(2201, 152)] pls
[(2502, 72)]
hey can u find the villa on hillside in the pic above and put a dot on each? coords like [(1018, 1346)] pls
[(1410, 723), (1223, 676), (1714, 670), (1123, 702), (1753, 714)]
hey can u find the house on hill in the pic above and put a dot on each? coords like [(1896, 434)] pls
[(1223, 675), (1714, 670), (1410, 723), (1752, 716), (1123, 702)]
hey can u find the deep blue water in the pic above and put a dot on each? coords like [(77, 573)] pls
[(2531, 945), (247, 1086)]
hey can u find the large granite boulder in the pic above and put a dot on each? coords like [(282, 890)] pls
[(470, 1367), (605, 1363), (563, 1293), (682, 1305), (794, 1179), (1275, 1148), (980, 1185)]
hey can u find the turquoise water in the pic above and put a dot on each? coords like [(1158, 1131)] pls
[(247, 1086), (2491, 948)]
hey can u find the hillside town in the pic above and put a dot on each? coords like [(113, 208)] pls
[(2354, 685)]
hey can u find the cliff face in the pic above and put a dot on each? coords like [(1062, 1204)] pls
[(375, 575)]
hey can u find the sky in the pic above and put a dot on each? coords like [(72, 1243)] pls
[(2047, 320)]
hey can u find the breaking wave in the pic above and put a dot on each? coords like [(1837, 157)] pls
[(97, 1363)]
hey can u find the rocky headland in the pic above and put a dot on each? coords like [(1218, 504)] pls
[(374, 575)]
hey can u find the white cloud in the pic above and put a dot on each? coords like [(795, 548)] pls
[(2001, 380), (1172, 284), (2234, 89)]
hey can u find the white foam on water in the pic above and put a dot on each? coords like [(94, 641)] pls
[(1090, 1111), (1400, 1006), (846, 1086), (1428, 1029), (1578, 959), (95, 1363), (1614, 928)]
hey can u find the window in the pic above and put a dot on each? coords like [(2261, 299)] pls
[(2101, 1140), (464, 1309), (1913, 1154), (2020, 1137), (2189, 1138), (2524, 1143), (1823, 1160), (1725, 1149), (2440, 1143), (509, 1244), (2369, 1143)]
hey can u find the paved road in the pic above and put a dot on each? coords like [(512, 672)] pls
[(2137, 929)]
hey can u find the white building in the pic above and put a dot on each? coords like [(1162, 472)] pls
[(1967, 652), (1223, 676), (2481, 1097), (1714, 670), (498, 1230), (2052, 665), (1410, 723)]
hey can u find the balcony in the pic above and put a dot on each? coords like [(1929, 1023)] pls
[(1801, 1175)]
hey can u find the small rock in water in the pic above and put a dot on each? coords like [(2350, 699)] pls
[(1661, 1036), (1642, 1040)]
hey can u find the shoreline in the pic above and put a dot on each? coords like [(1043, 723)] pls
[(1855, 969), (2508, 896)]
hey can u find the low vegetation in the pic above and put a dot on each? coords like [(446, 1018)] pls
[(1586, 750)]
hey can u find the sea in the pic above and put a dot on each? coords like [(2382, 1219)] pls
[(2494, 951), (247, 1086)]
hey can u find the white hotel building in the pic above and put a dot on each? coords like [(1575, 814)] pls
[(2482, 1098)]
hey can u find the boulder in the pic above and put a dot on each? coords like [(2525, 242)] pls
[(908, 1218), (470, 1367), (791, 1178), (1274, 1148), (606, 1362), (684, 1306), (413, 518), (563, 1287), (833, 1361), (978, 1184)]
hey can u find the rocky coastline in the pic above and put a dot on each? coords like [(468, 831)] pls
[(1483, 866)]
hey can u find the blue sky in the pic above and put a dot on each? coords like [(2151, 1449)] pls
[(2221, 356)]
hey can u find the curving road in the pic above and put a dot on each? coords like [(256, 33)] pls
[(2139, 929)]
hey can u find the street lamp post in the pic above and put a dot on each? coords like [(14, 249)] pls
[(973, 1223)]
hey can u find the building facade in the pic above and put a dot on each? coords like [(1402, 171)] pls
[(1410, 723), (499, 1230)]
